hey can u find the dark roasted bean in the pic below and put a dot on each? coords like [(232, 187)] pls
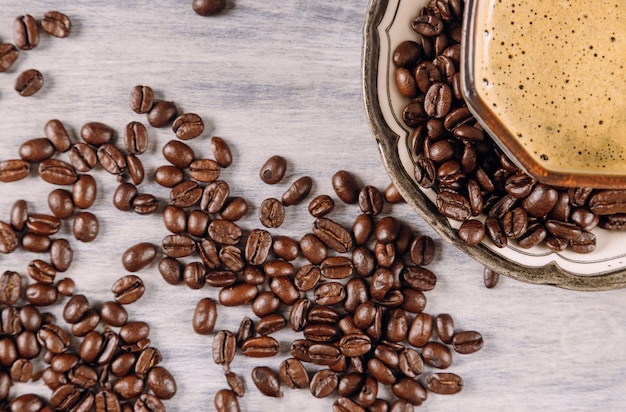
[(260, 347), (226, 401), (466, 342), (267, 381), (323, 383), (25, 32), (273, 170), (128, 289)]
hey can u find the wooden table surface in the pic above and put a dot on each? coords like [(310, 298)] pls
[(279, 78)]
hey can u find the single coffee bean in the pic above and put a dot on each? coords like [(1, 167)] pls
[(75, 308), (84, 192), (307, 277), (321, 206), (25, 32), (585, 243), (293, 374), (86, 324), (320, 332), (214, 196), (422, 250), (41, 272), (8, 239), (141, 99), (420, 330), (238, 294), (410, 390), (490, 278), (27, 402), (168, 176), (204, 170), (19, 215), (285, 248), (8, 55), (128, 387), (111, 159), (138, 256), (370, 200), (171, 270), (128, 289), (357, 344), (345, 186), (266, 303), (196, 224), (397, 325), (466, 342), (85, 227), (57, 172), (178, 153), (36, 150), (83, 157), (298, 191), (410, 362), (235, 382), (162, 113), (10, 287), (36, 243), (135, 138), (323, 383), (267, 381), (273, 170), (330, 293), (336, 267), (260, 347), (148, 403), (472, 232), (194, 275), (175, 219), (234, 209), (56, 24), (405, 83), (161, 383), (208, 7), (444, 383), (380, 372), (225, 400), (221, 151), (135, 168), (224, 232), (144, 204), (13, 170), (56, 133), (271, 213), (186, 194), (332, 234), (43, 224), (188, 126), (96, 133), (419, 278), (113, 313), (124, 196), (258, 245), (40, 294), (283, 287), (437, 355)]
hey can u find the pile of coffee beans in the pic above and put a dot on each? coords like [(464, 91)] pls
[(473, 178), (26, 37)]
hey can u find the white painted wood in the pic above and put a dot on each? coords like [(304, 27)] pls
[(280, 78)]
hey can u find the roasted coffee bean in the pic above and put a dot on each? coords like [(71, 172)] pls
[(135, 138), (362, 228), (111, 159), (405, 83), (21, 370), (128, 387), (226, 400), (138, 256), (349, 384), (224, 232), (36, 243), (284, 288), (345, 186), (41, 272), (453, 205), (357, 344), (370, 200), (420, 330), (197, 222), (235, 382), (444, 383), (472, 232), (36, 150), (336, 267), (273, 170), (387, 355), (332, 234), (234, 209), (563, 230), (380, 372), (293, 374), (84, 192), (266, 303), (496, 234), (258, 245), (397, 325), (194, 274), (66, 287), (178, 153), (188, 126), (267, 381), (381, 283), (148, 403), (186, 194), (260, 347), (585, 219), (10, 287), (208, 7), (82, 157), (178, 245), (11, 323), (407, 54), (466, 342), (171, 270), (245, 331), (363, 261), (321, 205), (86, 324), (490, 278), (54, 339), (224, 345), (534, 235), (285, 248), (364, 314), (410, 390), (410, 362), (214, 196), (540, 201), (13, 170), (40, 294), (368, 393), (204, 170), (329, 294), (356, 294), (168, 176), (585, 243), (19, 215), (175, 219), (145, 203), (96, 133), (238, 294), (161, 382), (387, 229), (298, 191), (324, 383), (313, 249), (141, 99), (437, 355), (221, 151), (25, 32), (162, 113), (8, 351), (54, 171), (438, 103), (128, 289), (8, 55), (56, 24), (231, 258), (307, 277), (85, 227), (124, 196), (135, 169), (414, 114), (113, 313), (422, 250), (419, 278), (298, 314), (43, 224), (26, 403), (320, 332), (271, 213)]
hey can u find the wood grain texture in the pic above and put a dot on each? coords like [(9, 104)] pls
[(280, 78)]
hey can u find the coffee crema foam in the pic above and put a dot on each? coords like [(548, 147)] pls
[(553, 72)]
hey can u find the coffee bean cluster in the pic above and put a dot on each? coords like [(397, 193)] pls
[(26, 37), (355, 294), (473, 178)]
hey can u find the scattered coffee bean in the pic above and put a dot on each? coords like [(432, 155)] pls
[(208, 7), (29, 82), (267, 381), (273, 170), (25, 32), (56, 24)]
